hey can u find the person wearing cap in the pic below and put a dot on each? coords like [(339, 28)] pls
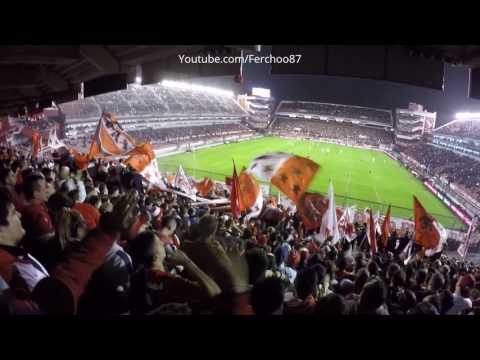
[(90, 214)]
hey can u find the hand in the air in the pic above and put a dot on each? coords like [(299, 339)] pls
[(122, 215)]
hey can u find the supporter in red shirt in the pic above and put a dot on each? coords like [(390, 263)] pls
[(35, 217)]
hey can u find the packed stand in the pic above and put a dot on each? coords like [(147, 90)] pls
[(177, 135), (101, 242), (151, 100), (344, 132), (336, 111), (458, 169), (462, 129)]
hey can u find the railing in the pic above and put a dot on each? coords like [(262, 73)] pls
[(449, 222)]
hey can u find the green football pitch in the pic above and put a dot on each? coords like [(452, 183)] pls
[(366, 178)]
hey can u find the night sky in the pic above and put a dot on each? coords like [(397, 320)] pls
[(361, 92)]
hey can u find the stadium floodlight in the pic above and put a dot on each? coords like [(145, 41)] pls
[(467, 116), (138, 80), (195, 87)]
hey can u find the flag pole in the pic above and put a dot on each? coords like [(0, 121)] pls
[(469, 235)]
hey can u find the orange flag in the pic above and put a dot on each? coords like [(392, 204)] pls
[(249, 190), (205, 186), (140, 157), (81, 160), (311, 209), (426, 234), (138, 162), (294, 176), (143, 149), (235, 200)]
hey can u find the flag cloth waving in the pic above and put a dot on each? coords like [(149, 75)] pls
[(249, 190), (181, 182), (291, 174), (251, 196), (372, 232), (346, 223), (386, 227), (311, 209), (110, 139), (329, 225), (205, 186), (36, 144), (426, 232)]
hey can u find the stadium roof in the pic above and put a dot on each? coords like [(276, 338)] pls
[(38, 73)]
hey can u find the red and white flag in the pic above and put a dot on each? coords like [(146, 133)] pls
[(346, 224)]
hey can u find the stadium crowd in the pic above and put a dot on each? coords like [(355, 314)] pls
[(337, 110), (171, 135), (462, 129), (151, 100), (100, 241), (345, 132), (458, 169)]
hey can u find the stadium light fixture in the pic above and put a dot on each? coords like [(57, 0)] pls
[(195, 87), (467, 116)]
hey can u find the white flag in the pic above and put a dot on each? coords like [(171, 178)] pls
[(152, 174), (329, 225), (182, 182)]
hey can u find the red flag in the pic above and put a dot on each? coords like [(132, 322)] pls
[(235, 202), (372, 233), (36, 143), (386, 227), (311, 209)]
